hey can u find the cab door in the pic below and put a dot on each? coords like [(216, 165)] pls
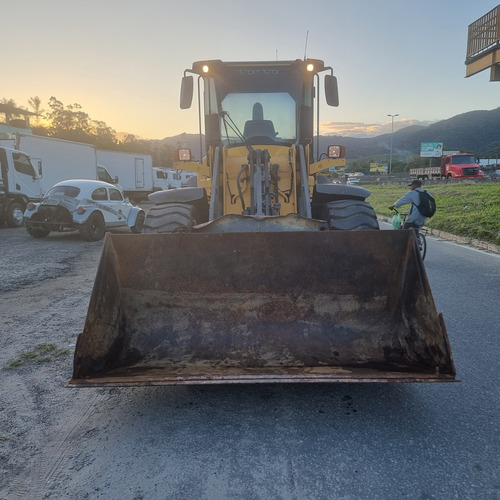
[(23, 179)]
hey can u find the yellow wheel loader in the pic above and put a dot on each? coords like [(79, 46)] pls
[(262, 271)]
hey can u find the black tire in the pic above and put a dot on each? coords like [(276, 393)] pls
[(37, 232), (139, 223), (422, 244), (350, 215), (14, 215), (169, 217), (94, 228)]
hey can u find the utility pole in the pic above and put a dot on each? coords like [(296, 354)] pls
[(392, 134)]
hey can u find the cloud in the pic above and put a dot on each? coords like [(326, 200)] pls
[(360, 129)]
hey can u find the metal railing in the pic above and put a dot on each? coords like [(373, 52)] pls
[(484, 33)]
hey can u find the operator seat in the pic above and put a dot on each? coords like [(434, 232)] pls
[(257, 126)]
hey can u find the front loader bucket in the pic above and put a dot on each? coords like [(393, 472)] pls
[(324, 306)]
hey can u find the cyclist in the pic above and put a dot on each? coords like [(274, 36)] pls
[(414, 219)]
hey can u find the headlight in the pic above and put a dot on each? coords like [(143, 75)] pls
[(336, 151)]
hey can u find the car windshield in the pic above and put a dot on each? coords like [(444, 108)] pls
[(60, 191), (258, 115), (461, 160)]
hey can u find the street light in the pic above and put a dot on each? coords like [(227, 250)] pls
[(392, 134)]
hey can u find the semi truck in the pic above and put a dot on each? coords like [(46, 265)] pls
[(135, 171), (31, 165), (450, 166)]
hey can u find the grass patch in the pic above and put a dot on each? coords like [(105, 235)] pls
[(465, 209), (42, 353)]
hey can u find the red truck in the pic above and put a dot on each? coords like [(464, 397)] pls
[(452, 166)]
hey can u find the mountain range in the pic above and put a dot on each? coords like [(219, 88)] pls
[(475, 131)]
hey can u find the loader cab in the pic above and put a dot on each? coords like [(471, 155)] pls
[(258, 118), (263, 103)]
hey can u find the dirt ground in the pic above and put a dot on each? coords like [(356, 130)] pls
[(44, 293), (280, 441)]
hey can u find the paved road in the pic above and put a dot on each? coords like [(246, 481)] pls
[(343, 441)]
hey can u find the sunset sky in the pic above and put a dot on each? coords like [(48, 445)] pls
[(123, 60)]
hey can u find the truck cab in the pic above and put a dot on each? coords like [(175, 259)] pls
[(460, 165), (105, 176), (160, 179), (19, 184)]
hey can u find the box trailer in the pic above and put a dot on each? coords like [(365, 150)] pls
[(57, 159), (134, 170), (31, 164)]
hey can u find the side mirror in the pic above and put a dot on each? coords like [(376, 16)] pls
[(331, 90), (186, 92)]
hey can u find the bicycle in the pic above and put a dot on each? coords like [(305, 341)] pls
[(398, 222)]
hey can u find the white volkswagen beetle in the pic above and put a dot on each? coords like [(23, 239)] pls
[(91, 207)]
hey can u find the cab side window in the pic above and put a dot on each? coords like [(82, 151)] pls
[(22, 164), (115, 195), (100, 194)]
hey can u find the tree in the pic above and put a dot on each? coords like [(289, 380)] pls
[(134, 145), (360, 165), (73, 124), (10, 102), (15, 116), (162, 154), (36, 104), (399, 166), (70, 122), (417, 161), (105, 136)]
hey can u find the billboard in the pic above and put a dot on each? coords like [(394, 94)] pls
[(431, 149)]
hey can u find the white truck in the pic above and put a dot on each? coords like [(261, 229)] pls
[(135, 171), (177, 178), (30, 165), (160, 179)]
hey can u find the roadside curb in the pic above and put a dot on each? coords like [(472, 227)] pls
[(461, 240)]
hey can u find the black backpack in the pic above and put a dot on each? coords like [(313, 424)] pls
[(427, 206)]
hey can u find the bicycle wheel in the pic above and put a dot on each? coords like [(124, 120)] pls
[(422, 244)]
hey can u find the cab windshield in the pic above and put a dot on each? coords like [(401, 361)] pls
[(258, 118), (462, 160)]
